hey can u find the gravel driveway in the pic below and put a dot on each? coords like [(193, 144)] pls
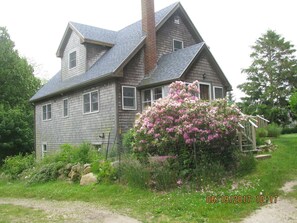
[(284, 211), (72, 212)]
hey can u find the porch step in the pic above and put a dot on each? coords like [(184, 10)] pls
[(263, 156)]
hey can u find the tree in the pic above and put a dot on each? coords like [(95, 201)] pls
[(271, 78), (18, 84)]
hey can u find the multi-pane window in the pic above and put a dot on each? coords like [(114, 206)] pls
[(47, 112), (91, 103), (72, 60), (218, 92), (65, 108), (151, 95), (177, 45), (204, 91), (128, 98)]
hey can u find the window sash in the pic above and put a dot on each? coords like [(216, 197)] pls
[(128, 98), (46, 112), (204, 91), (218, 92), (91, 102), (177, 45), (65, 107), (72, 60)]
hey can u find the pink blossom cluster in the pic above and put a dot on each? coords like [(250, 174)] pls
[(182, 118)]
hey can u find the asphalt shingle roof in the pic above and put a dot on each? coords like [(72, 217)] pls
[(172, 66), (125, 42)]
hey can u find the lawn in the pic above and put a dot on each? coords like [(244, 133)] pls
[(230, 202)]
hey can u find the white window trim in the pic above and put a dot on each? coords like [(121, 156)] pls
[(214, 91), (76, 54), (135, 93), (209, 89), (64, 108), (43, 152), (152, 95), (46, 118), (83, 104), (178, 41)]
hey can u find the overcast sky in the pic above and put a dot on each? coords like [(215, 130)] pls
[(229, 27)]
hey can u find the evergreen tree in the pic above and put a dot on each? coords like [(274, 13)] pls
[(271, 78)]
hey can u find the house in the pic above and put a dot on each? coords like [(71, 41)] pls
[(107, 77)]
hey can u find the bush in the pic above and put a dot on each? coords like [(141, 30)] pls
[(274, 130), (289, 130), (174, 124), (247, 164), (14, 165), (262, 132), (104, 170), (45, 173), (128, 140), (134, 174)]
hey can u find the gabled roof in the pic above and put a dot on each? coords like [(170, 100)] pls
[(172, 66), (124, 44)]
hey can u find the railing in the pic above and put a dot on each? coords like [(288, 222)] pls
[(247, 132)]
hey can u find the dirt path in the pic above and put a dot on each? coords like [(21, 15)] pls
[(74, 211), (284, 211)]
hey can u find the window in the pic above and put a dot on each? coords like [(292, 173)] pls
[(218, 92), (204, 91), (72, 60), (43, 150), (65, 108), (91, 103), (177, 45), (149, 94), (47, 112), (128, 98)]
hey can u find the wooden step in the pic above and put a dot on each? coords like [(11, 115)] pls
[(263, 156)]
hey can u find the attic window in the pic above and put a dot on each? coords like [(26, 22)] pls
[(72, 59), (177, 45), (177, 20)]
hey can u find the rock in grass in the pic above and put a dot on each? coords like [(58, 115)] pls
[(87, 179)]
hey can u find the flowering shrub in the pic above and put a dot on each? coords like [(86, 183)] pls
[(181, 122)]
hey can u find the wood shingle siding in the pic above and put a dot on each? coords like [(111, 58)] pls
[(77, 127)]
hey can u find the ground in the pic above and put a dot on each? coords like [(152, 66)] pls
[(285, 210), (69, 212)]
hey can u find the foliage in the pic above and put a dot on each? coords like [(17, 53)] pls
[(134, 174), (53, 165), (271, 78), (18, 84), (184, 126), (262, 132), (16, 132), (274, 130), (182, 204), (46, 172), (293, 103), (14, 165), (104, 170), (84, 153), (128, 140), (247, 164), (288, 130)]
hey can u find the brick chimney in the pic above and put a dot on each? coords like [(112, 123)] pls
[(149, 29)]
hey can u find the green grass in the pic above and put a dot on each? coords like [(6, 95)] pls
[(12, 213), (180, 205)]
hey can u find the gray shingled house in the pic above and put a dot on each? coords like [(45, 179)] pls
[(107, 77)]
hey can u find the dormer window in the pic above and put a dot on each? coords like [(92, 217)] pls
[(177, 45), (72, 59)]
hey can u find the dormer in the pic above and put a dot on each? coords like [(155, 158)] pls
[(81, 47)]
